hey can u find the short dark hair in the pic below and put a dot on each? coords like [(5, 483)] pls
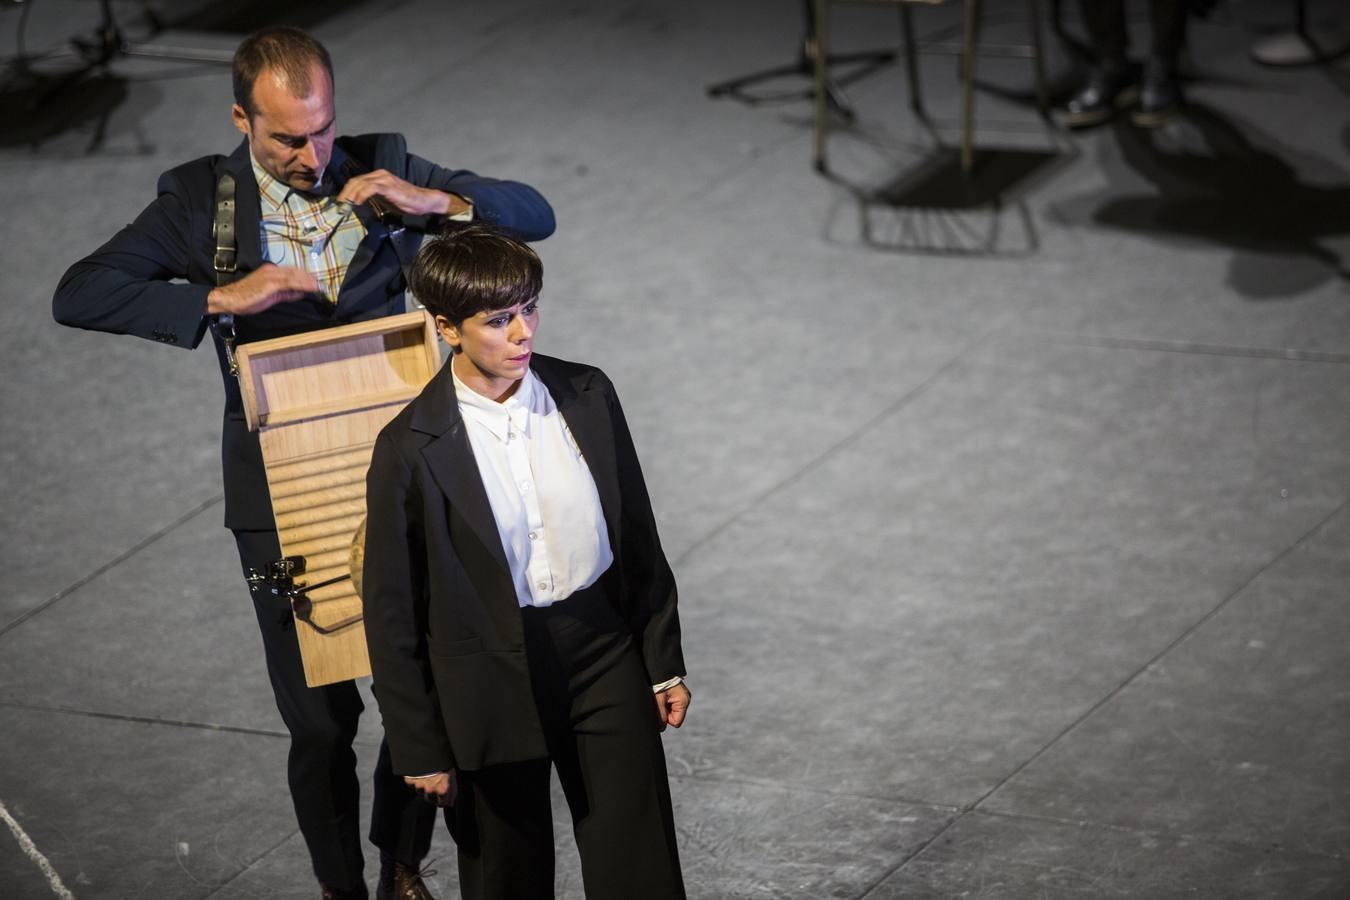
[(468, 269), (282, 49)]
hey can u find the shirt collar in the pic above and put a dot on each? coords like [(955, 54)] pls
[(275, 192), (497, 417)]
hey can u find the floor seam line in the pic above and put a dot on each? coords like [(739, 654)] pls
[(833, 449), (1157, 657), (253, 862), (144, 720), (1196, 348), (111, 564), (976, 806), (808, 789), (1155, 833), (886, 876)]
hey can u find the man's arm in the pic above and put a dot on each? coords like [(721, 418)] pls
[(509, 205), (128, 285), (393, 586), (125, 286), (425, 188)]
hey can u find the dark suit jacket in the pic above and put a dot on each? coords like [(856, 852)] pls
[(442, 620), (128, 286)]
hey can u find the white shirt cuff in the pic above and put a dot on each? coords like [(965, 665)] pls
[(667, 685)]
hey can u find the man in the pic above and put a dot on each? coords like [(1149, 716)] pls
[(1113, 84), (321, 228)]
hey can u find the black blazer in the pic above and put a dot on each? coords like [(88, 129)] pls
[(151, 279), (442, 620)]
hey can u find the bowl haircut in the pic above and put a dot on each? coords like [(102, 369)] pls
[(471, 269)]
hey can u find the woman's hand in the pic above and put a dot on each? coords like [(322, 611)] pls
[(440, 789), (671, 705)]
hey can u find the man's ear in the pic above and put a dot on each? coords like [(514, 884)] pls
[(240, 118)]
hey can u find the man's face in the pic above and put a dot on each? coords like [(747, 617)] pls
[(291, 137)]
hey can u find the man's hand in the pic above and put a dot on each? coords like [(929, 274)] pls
[(440, 789), (409, 198), (260, 290), (671, 705)]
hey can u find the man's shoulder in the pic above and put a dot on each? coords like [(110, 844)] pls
[(196, 178), (377, 150)]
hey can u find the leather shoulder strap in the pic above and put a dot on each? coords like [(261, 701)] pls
[(222, 227)]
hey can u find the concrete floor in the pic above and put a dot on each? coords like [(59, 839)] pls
[(1008, 575)]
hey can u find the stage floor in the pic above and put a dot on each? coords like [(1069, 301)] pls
[(1011, 537)]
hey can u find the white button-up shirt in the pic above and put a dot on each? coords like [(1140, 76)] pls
[(542, 493)]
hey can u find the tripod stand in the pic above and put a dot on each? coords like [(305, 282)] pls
[(867, 61), (110, 42), (97, 53)]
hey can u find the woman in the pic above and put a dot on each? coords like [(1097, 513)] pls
[(519, 610)]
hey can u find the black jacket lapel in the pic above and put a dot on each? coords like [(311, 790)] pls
[(449, 458)]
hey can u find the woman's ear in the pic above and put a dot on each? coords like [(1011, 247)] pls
[(448, 332)]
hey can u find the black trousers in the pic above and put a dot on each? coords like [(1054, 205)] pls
[(321, 770), (602, 732), (1105, 20)]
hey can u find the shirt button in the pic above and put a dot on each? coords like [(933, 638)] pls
[(543, 585), (524, 486), (534, 535)]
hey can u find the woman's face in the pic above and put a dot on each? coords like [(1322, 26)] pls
[(494, 347)]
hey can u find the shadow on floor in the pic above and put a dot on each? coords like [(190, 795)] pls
[(932, 207), (1217, 182), (244, 16), (75, 107)]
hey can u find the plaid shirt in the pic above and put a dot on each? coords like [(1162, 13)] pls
[(316, 233)]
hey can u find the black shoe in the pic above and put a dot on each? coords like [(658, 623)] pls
[(400, 882), (1107, 90), (1159, 95), (332, 893)]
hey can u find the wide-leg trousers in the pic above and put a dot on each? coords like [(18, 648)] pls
[(321, 770), (602, 731)]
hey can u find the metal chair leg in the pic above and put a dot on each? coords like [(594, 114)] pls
[(972, 27), (911, 60), (1038, 58), (818, 52)]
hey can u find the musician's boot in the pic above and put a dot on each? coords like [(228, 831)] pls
[(332, 893), (400, 882)]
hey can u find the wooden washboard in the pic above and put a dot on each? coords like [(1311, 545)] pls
[(318, 401)]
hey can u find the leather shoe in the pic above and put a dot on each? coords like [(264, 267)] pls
[(332, 893), (400, 882), (1159, 95), (1108, 89)]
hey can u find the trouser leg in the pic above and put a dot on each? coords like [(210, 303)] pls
[(613, 771), (603, 733), (502, 823), (401, 822), (1169, 30), (1105, 22), (321, 769)]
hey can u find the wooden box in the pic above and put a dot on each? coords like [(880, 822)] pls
[(319, 400)]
